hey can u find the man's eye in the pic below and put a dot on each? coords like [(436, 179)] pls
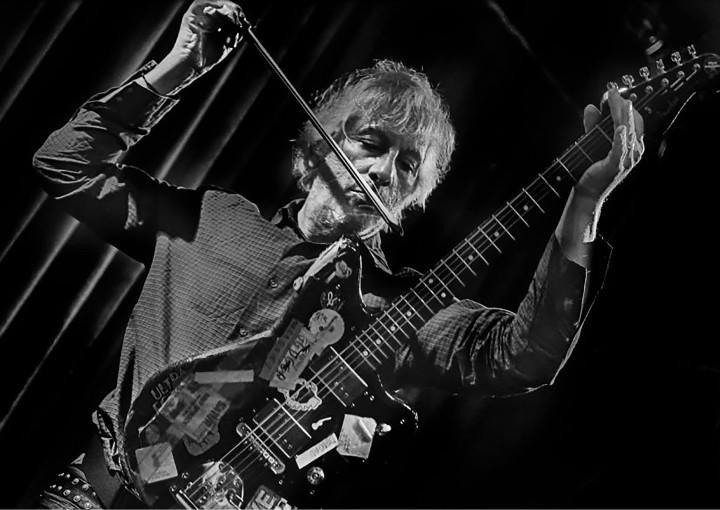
[(408, 166), (370, 144)]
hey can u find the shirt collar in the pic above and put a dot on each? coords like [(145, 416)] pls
[(287, 217)]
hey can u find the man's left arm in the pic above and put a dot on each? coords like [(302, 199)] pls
[(501, 352)]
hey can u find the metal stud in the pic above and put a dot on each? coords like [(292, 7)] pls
[(87, 505), (76, 498), (628, 80), (75, 481), (645, 73), (66, 492), (85, 486), (676, 58), (660, 65)]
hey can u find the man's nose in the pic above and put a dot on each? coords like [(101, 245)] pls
[(381, 171)]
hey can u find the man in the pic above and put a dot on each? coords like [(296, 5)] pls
[(219, 274)]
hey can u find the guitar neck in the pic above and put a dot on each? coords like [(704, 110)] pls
[(436, 289)]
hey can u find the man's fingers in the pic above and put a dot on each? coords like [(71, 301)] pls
[(639, 124), (591, 116), (615, 103), (618, 149)]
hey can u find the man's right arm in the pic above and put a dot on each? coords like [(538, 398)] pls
[(80, 163)]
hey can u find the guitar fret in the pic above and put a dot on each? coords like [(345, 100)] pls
[(433, 277), (368, 350), (577, 144), (412, 312), (549, 185), (518, 215), (395, 326), (462, 259), (452, 272), (363, 355), (477, 251), (366, 347), (602, 131), (422, 301), (319, 377), (566, 169), (422, 281), (378, 343), (384, 335), (503, 227), (337, 354), (533, 200), (491, 241)]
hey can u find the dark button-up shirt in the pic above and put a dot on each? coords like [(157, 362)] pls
[(219, 272)]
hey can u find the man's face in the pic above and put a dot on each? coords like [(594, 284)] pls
[(390, 162)]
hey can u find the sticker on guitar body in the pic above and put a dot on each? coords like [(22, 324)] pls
[(356, 436), (195, 409), (325, 327)]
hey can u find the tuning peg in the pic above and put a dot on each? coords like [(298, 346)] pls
[(645, 73), (660, 65), (628, 80), (676, 58), (691, 51)]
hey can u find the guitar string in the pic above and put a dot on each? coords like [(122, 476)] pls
[(516, 220)]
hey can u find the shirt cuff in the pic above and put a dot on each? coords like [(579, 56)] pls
[(140, 107)]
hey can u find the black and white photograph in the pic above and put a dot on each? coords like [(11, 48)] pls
[(264, 254)]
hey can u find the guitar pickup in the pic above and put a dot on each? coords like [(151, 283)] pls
[(256, 445)]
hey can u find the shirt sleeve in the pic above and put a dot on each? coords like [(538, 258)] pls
[(498, 352), (80, 165)]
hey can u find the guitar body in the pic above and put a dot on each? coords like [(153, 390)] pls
[(252, 427)]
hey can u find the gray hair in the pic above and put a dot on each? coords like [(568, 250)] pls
[(395, 95)]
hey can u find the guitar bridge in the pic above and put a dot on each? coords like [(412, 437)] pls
[(217, 485)]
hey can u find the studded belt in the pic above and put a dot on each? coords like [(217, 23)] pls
[(70, 489)]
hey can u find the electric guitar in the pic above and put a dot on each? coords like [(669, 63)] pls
[(275, 425)]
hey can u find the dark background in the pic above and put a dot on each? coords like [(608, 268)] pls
[(632, 420)]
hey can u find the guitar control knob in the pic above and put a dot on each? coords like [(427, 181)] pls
[(382, 429), (315, 475)]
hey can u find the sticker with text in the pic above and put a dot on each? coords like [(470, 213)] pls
[(156, 463), (356, 436)]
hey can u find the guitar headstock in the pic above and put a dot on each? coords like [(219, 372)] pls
[(660, 96)]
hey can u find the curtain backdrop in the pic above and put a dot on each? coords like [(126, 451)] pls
[(633, 418)]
